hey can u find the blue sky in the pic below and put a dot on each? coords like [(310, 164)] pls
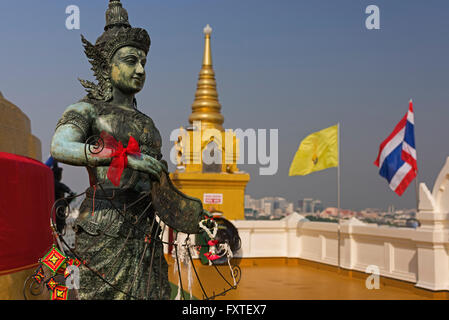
[(297, 66)]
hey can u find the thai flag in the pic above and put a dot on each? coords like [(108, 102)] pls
[(397, 154)]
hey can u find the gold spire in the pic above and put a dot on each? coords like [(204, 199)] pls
[(206, 107)]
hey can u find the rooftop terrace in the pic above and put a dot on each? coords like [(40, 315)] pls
[(296, 279)]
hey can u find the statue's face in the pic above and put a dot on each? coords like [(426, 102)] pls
[(128, 69)]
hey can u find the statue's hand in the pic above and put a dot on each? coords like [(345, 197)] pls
[(164, 165), (148, 165), (154, 168), (157, 168)]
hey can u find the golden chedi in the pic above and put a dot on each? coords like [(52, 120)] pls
[(15, 132), (207, 153)]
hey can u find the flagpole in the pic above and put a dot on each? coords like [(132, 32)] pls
[(416, 178), (338, 194)]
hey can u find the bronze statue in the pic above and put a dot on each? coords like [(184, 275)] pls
[(118, 235)]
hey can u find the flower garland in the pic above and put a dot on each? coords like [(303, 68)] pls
[(212, 254)]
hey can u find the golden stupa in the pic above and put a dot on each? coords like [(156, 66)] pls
[(15, 132), (207, 153)]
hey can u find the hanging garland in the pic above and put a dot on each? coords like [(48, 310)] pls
[(55, 263), (212, 254)]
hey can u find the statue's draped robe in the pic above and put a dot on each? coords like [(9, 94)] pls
[(112, 226)]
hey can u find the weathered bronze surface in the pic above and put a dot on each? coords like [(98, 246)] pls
[(118, 235)]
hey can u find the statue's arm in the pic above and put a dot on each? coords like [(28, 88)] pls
[(68, 147), (68, 143)]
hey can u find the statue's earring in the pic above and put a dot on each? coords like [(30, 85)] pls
[(107, 85), (107, 93)]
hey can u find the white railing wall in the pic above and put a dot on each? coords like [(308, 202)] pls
[(392, 250)]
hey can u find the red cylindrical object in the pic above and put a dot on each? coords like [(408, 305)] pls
[(26, 200)]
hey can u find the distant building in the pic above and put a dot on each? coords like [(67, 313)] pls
[(317, 206), (250, 214), (248, 201), (278, 213), (307, 205), (267, 208)]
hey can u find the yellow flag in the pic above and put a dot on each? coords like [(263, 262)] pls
[(316, 152)]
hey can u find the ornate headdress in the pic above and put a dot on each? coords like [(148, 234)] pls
[(118, 33)]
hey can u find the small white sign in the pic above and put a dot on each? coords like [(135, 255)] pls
[(213, 198)]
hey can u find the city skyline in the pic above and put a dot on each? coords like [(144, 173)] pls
[(293, 66), (278, 208), (322, 206)]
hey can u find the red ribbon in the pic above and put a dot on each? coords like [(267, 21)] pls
[(212, 242), (119, 154)]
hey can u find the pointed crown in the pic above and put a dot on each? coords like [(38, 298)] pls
[(116, 15)]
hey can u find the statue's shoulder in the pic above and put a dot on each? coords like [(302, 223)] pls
[(80, 114), (149, 121), (84, 108)]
